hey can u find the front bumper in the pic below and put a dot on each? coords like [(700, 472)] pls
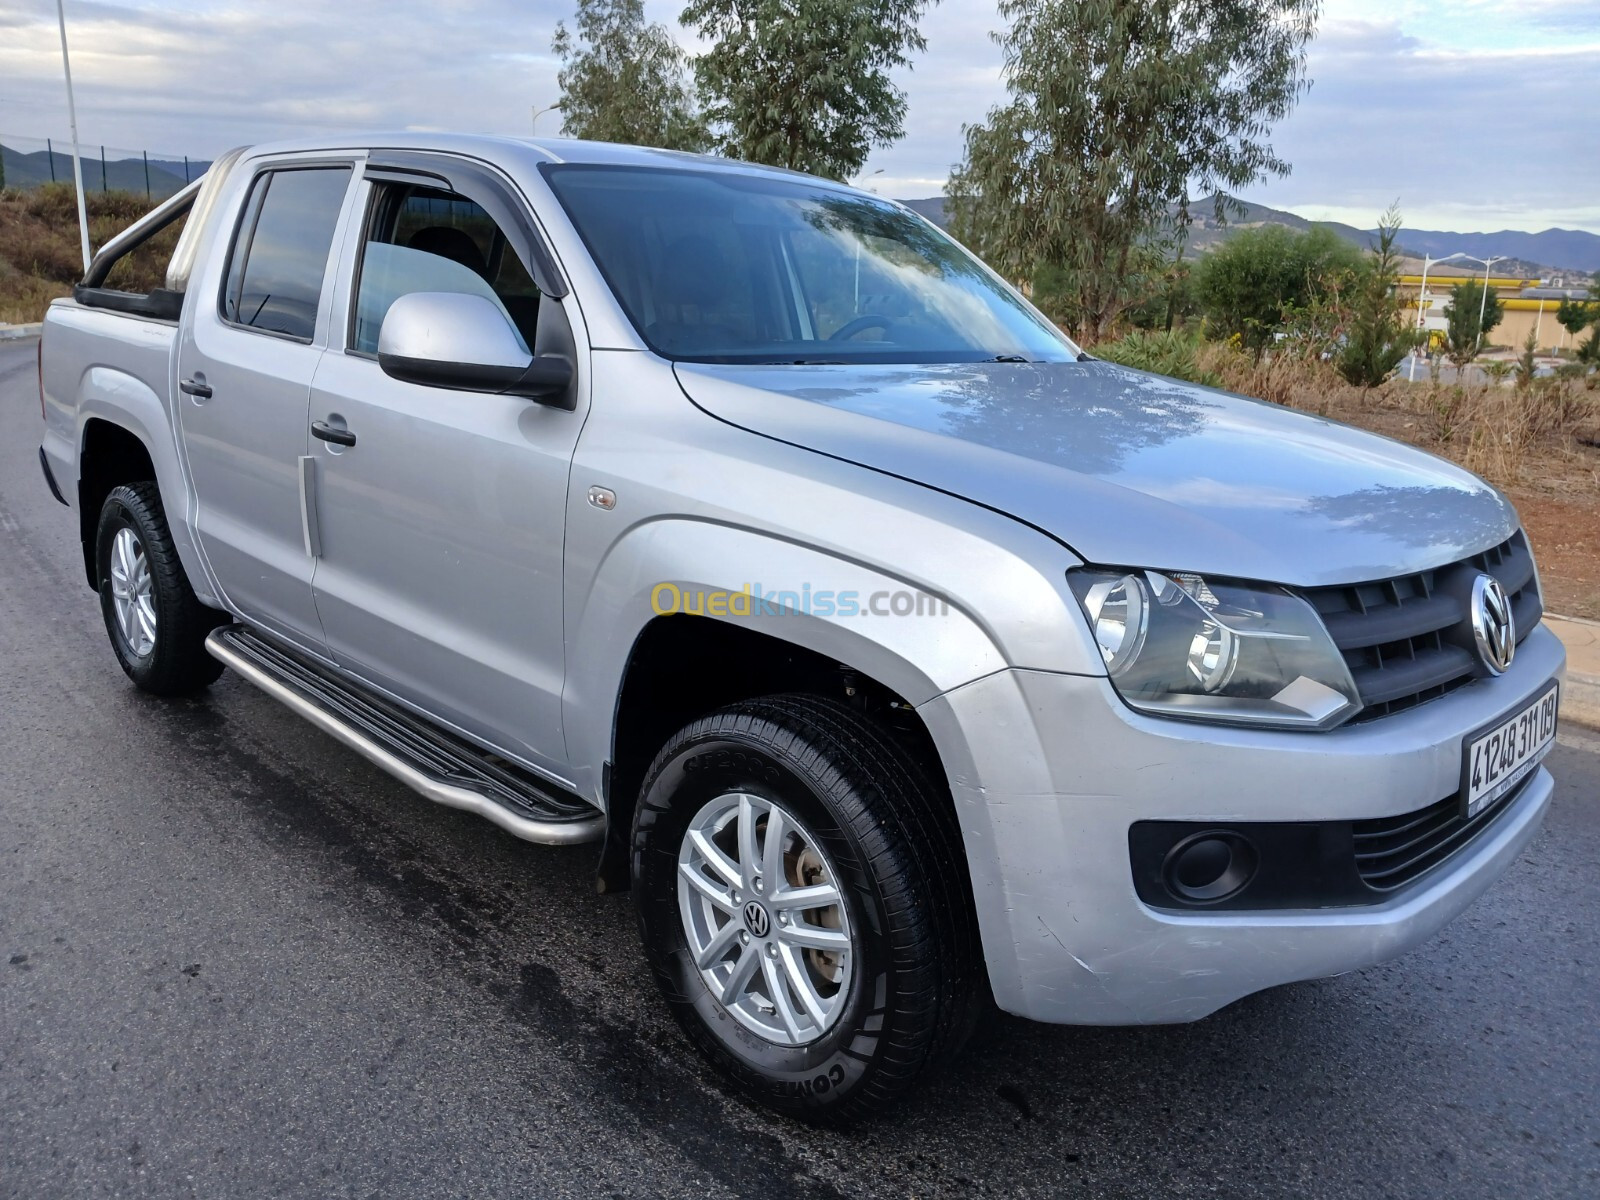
[(1049, 771)]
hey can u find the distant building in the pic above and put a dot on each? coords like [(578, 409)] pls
[(1528, 304)]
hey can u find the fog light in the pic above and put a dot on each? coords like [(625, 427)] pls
[(1209, 866)]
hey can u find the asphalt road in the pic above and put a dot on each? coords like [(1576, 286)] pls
[(235, 960)]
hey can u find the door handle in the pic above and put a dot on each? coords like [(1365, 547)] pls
[(193, 387), (339, 437)]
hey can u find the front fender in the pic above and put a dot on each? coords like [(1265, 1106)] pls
[(715, 570)]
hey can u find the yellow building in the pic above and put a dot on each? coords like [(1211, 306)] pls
[(1527, 305)]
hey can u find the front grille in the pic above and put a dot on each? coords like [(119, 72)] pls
[(1392, 851), (1409, 639)]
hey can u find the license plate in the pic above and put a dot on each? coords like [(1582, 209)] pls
[(1502, 755)]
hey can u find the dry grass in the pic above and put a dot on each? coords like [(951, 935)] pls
[(40, 257), (1545, 437)]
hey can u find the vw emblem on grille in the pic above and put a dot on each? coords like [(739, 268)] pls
[(1493, 625), (756, 918)]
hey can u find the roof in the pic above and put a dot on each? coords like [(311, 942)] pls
[(533, 151)]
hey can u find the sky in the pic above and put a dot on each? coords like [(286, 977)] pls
[(1474, 115)]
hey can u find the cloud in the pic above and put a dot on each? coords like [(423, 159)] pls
[(201, 77), (1473, 113), (1463, 138)]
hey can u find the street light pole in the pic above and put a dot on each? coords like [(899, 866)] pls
[(1483, 303), (1422, 306), (72, 119), (539, 112)]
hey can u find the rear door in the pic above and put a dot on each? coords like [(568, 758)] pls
[(441, 526), (245, 365)]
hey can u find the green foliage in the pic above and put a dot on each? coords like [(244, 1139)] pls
[(1574, 315), (1166, 352), (804, 84), (1171, 302), (1525, 361), (1463, 332), (1114, 111), (1259, 279), (625, 81), (1378, 333), (1497, 371)]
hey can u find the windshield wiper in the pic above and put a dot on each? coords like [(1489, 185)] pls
[(1008, 358)]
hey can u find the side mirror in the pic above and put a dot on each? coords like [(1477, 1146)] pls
[(456, 340)]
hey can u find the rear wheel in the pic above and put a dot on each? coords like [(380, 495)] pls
[(157, 625), (804, 905)]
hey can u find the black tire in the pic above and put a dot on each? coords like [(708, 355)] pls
[(895, 848), (177, 663)]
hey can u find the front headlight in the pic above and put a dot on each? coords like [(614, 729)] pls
[(1179, 645)]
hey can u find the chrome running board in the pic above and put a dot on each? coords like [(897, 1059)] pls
[(435, 762)]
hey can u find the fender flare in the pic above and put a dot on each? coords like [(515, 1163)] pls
[(122, 400), (918, 656)]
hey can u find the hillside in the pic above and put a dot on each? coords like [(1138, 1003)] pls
[(40, 257), (1530, 254)]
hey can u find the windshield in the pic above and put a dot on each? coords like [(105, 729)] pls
[(717, 266)]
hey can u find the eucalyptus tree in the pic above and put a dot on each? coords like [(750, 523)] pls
[(1117, 111), (623, 80), (804, 84)]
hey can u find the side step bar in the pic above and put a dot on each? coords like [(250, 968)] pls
[(443, 767)]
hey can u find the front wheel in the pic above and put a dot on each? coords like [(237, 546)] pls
[(157, 625), (804, 905)]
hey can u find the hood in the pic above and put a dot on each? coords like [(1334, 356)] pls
[(1130, 469)]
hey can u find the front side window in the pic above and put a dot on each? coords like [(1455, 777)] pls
[(722, 266), (422, 239), (280, 254)]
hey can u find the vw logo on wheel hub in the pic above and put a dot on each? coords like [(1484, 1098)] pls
[(1494, 627), (756, 919)]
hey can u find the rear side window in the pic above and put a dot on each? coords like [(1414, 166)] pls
[(280, 253)]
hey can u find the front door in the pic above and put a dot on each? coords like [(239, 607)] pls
[(441, 525), (245, 367)]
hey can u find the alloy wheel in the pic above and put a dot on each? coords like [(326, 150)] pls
[(765, 921), (132, 592)]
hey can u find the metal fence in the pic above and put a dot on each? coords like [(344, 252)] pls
[(28, 162)]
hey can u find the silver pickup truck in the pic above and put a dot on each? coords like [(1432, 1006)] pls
[(896, 653)]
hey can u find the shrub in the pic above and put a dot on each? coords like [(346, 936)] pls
[(1465, 335), (41, 256), (1173, 353), (1248, 286), (1378, 335)]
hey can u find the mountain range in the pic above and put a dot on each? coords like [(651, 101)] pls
[(1528, 254), (165, 177)]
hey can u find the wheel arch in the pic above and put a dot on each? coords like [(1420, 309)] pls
[(125, 434), (708, 640), (665, 685), (109, 456)]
